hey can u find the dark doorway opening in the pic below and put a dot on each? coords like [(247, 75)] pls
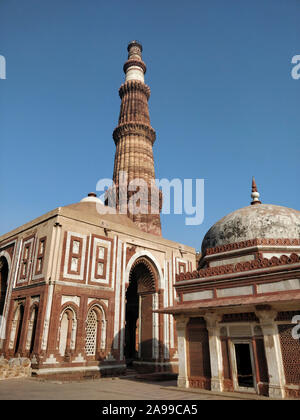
[(19, 327), (138, 312), (3, 282), (244, 365), (35, 313), (131, 318)]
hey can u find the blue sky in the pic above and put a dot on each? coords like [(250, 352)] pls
[(223, 102)]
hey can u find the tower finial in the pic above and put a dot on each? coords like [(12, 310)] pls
[(134, 68), (255, 194), (134, 48)]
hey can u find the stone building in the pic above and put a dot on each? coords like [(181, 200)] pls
[(236, 315), (79, 285), (88, 291)]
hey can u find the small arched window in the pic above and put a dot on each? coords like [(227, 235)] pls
[(67, 331), (95, 340), (91, 333), (19, 324)]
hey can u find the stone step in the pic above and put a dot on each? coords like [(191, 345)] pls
[(157, 376)]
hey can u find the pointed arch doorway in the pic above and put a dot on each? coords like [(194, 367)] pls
[(138, 311), (3, 282)]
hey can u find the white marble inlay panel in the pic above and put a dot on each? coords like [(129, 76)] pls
[(99, 245), (206, 294), (74, 299), (27, 254), (279, 286), (105, 301), (80, 275), (135, 73), (235, 291), (180, 260)]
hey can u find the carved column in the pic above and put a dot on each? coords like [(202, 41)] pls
[(181, 323), (273, 352), (215, 350), (30, 330), (52, 275)]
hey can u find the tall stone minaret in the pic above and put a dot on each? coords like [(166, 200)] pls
[(134, 138)]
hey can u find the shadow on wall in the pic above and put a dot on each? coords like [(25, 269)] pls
[(148, 356)]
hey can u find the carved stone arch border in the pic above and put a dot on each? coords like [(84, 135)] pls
[(151, 262), (18, 303), (70, 307), (6, 255), (100, 307), (142, 256), (148, 281)]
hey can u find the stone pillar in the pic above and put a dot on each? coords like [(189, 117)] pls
[(215, 350), (29, 337), (52, 275), (181, 323), (273, 352)]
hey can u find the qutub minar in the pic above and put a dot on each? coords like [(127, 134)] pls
[(87, 294), (134, 138)]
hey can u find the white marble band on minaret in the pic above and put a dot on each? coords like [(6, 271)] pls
[(135, 67), (135, 73)]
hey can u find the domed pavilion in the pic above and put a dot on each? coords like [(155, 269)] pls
[(237, 314)]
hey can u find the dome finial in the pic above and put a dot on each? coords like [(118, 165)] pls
[(255, 193)]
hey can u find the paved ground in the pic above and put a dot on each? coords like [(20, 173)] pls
[(103, 389)]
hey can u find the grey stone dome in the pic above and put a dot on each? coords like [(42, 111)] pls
[(252, 222)]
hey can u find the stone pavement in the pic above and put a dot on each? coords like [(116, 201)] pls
[(104, 389)]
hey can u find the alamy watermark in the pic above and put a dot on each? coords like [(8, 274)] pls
[(296, 329), (2, 67), (139, 197), (296, 69)]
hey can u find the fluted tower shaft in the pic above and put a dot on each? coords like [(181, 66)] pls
[(134, 138)]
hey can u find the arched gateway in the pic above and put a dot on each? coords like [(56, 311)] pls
[(139, 316)]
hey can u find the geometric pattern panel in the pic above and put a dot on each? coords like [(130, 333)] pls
[(91, 333), (290, 349)]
